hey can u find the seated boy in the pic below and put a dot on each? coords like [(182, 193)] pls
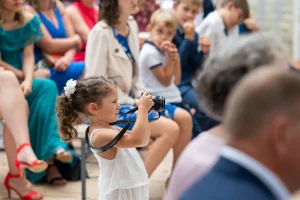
[(186, 40), (222, 24), (160, 69)]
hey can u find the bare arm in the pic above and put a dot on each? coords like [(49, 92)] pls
[(164, 74), (77, 22), (177, 70), (69, 30), (50, 45), (28, 62)]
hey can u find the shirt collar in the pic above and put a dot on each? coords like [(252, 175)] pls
[(151, 43), (261, 172)]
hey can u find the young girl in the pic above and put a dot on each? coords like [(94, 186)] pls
[(114, 43), (123, 175)]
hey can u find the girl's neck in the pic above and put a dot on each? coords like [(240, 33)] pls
[(96, 123), (87, 3), (8, 16), (122, 26)]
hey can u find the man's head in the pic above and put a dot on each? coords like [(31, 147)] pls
[(186, 10), (233, 12), (262, 118), (223, 70)]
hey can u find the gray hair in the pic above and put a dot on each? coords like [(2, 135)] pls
[(224, 69)]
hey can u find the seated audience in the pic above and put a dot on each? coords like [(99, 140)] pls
[(186, 41), (84, 16), (116, 46), (260, 160), (219, 76), (40, 94), (62, 67)]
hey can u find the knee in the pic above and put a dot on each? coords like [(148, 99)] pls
[(183, 117), (8, 77), (172, 131)]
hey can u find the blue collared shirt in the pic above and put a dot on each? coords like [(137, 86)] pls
[(190, 58)]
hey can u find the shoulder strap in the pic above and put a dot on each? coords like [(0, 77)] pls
[(110, 144)]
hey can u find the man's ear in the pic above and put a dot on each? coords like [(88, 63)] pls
[(93, 108), (148, 28)]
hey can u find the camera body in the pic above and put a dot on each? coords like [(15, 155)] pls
[(159, 103)]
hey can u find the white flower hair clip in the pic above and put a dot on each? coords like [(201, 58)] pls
[(70, 87)]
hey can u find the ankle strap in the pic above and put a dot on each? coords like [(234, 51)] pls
[(9, 175), (22, 146)]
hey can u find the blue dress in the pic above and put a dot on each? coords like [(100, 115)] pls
[(75, 69), (42, 124)]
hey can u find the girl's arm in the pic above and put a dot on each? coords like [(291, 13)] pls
[(17, 72), (140, 134)]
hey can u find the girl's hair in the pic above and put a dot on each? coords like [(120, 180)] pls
[(109, 11), (89, 90), (19, 17), (35, 5)]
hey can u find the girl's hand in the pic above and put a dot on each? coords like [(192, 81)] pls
[(145, 101), (62, 64), (1, 68), (26, 87)]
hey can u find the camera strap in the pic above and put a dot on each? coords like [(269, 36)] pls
[(117, 138)]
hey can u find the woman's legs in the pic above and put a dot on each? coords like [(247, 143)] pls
[(22, 185), (165, 132), (14, 110)]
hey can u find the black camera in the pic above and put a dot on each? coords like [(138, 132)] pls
[(159, 103)]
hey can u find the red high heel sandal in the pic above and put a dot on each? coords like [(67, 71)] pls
[(25, 197), (36, 166)]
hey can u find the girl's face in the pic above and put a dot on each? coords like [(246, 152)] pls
[(128, 7), (12, 5), (109, 109)]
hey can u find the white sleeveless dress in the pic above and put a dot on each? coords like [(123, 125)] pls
[(124, 177)]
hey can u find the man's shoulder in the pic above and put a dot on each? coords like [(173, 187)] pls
[(231, 181)]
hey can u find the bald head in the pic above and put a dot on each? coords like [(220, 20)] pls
[(263, 95)]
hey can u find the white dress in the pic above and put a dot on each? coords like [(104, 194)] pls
[(124, 177)]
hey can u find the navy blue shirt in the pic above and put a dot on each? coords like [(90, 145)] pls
[(190, 58)]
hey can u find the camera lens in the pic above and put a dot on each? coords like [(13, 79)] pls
[(159, 103)]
